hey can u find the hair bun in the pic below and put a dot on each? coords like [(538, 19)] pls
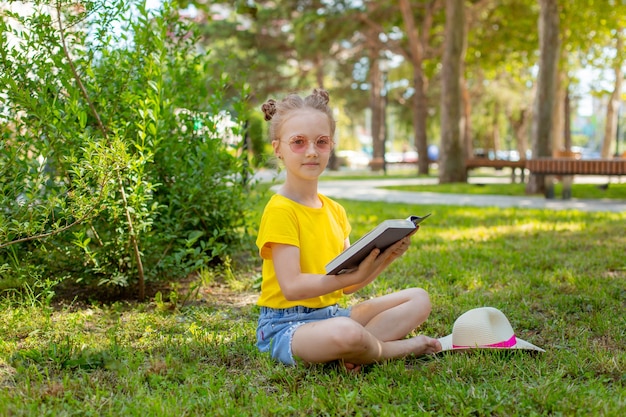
[(320, 92), (269, 109)]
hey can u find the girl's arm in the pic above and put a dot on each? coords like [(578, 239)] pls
[(296, 285)]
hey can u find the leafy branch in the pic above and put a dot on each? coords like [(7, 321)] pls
[(103, 130)]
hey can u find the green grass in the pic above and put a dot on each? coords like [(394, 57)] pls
[(558, 276), (582, 191)]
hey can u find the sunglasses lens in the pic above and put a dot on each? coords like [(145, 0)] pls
[(323, 144), (298, 145)]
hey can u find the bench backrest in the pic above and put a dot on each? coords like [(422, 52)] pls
[(566, 166)]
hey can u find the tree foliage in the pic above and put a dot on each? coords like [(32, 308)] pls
[(300, 43)]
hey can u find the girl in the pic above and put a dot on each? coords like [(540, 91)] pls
[(301, 231)]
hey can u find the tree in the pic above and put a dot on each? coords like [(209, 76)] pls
[(610, 131), (330, 42), (593, 39), (543, 113), (499, 73), (284, 46), (416, 53), (452, 158)]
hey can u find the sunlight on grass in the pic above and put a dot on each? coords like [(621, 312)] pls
[(582, 191), (563, 279), (484, 233)]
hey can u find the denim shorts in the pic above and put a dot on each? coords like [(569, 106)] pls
[(277, 326)]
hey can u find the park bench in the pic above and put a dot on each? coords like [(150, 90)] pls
[(498, 164), (566, 168)]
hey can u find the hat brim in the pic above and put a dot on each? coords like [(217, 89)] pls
[(446, 345)]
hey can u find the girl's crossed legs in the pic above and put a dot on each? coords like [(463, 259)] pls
[(375, 331)]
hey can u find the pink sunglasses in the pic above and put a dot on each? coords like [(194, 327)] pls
[(299, 144)]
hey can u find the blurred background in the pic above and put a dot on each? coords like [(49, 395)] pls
[(382, 63)]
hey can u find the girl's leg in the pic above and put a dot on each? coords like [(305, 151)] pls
[(345, 339), (393, 316)]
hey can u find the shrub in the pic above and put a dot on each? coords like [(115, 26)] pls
[(121, 154)]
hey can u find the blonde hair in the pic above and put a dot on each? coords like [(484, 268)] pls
[(276, 112)]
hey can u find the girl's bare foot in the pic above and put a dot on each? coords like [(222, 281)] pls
[(425, 345)]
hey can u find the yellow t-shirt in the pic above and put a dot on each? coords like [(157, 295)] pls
[(318, 232)]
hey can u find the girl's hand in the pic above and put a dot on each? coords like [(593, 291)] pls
[(375, 263), (397, 249)]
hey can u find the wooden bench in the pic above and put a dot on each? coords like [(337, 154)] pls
[(473, 163), (568, 167)]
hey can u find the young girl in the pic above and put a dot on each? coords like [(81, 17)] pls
[(301, 231)]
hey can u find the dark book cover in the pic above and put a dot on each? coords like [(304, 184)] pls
[(382, 236)]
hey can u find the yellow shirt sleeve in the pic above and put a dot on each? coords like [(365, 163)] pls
[(320, 235)]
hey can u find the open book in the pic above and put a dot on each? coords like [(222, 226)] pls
[(382, 236)]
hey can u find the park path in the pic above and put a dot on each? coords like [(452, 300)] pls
[(371, 190)]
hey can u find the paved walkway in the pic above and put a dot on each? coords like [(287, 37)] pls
[(370, 190)]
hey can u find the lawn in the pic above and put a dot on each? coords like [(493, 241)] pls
[(558, 276), (583, 191)]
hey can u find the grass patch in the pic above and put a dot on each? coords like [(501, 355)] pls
[(582, 191), (558, 276)]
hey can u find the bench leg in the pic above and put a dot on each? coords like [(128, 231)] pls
[(567, 186), (548, 181)]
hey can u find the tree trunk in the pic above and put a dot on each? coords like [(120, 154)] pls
[(467, 120), (520, 131), (466, 105), (319, 69), (558, 121), (567, 131), (610, 129), (377, 109), (420, 103), (546, 88), (420, 115), (496, 141), (451, 157)]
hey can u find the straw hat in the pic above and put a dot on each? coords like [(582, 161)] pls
[(486, 328)]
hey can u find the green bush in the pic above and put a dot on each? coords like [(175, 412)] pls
[(262, 153), (120, 159)]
